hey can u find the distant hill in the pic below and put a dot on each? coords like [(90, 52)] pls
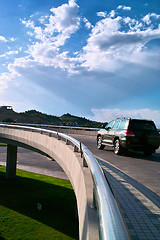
[(7, 114)]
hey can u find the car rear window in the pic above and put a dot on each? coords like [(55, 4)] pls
[(110, 124), (116, 124), (142, 125), (123, 124)]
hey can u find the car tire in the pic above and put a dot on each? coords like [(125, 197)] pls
[(148, 152), (117, 147), (99, 143)]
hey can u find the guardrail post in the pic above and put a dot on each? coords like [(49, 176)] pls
[(75, 148), (11, 161), (81, 150), (59, 137), (84, 162), (94, 198), (67, 142)]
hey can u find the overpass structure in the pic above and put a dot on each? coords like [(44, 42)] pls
[(98, 212)]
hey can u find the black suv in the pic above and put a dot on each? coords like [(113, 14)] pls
[(126, 133)]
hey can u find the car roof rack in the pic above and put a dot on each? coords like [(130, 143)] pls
[(127, 118)]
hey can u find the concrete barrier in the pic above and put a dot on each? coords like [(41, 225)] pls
[(62, 129), (88, 132)]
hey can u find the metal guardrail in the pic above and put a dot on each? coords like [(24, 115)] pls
[(111, 225), (52, 126), (56, 126)]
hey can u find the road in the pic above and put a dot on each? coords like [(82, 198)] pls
[(145, 170), (34, 162), (135, 182)]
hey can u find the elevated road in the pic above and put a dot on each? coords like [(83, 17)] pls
[(134, 180), (145, 170), (98, 212)]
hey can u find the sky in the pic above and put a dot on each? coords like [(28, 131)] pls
[(95, 59)]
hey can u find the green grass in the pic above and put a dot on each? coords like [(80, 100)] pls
[(3, 144), (19, 216)]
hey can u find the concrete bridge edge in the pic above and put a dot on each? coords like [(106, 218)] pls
[(71, 163)]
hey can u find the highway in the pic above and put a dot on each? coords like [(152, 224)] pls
[(145, 170), (34, 162), (135, 182)]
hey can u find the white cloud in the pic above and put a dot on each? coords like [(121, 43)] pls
[(28, 23), (9, 53), (43, 19), (37, 31), (112, 14), (87, 23), (47, 55), (124, 7), (65, 20), (30, 33), (58, 26), (3, 39), (106, 115), (104, 14), (109, 43), (148, 17), (12, 39), (109, 48), (115, 61), (101, 14), (65, 17), (5, 78)]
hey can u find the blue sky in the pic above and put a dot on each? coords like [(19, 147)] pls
[(98, 59)]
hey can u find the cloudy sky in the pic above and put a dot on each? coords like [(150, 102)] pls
[(98, 59)]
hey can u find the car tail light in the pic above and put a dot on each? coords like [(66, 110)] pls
[(130, 133)]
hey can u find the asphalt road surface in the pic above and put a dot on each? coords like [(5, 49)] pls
[(145, 170), (34, 162)]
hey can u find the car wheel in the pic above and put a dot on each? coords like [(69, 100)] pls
[(148, 152), (117, 147), (99, 143)]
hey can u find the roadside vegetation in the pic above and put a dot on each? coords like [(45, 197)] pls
[(38, 207), (36, 117)]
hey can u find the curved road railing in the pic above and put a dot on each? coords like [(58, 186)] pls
[(111, 224), (50, 125)]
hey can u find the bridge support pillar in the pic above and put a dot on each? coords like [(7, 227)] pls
[(11, 161)]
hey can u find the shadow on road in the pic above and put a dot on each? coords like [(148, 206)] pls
[(154, 158), (139, 155)]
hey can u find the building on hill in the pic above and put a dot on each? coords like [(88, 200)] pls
[(6, 108)]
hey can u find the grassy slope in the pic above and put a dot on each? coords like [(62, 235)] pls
[(20, 218)]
